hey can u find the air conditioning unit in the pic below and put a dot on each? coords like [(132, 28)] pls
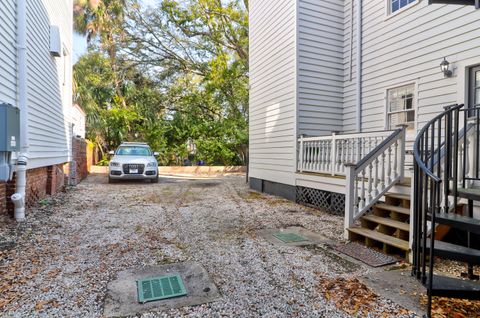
[(55, 41)]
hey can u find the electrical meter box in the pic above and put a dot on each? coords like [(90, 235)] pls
[(9, 128)]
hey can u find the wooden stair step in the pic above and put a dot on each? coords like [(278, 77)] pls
[(383, 238), (393, 208), (388, 222), (398, 196)]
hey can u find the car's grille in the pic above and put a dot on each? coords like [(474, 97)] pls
[(129, 167)]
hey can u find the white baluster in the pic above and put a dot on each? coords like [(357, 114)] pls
[(361, 203), (395, 161), (341, 146), (301, 154), (389, 165), (375, 185), (310, 156), (382, 173), (307, 168), (307, 156), (322, 155), (333, 154), (370, 183)]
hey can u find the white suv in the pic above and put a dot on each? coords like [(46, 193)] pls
[(133, 160)]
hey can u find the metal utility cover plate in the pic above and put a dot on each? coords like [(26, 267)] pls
[(289, 237), (162, 287)]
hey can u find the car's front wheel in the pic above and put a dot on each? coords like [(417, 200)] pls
[(110, 180), (154, 180)]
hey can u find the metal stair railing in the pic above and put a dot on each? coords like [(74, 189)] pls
[(437, 154)]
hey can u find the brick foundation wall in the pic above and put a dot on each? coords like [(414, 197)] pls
[(55, 179), (37, 180), (3, 197), (80, 157), (40, 183)]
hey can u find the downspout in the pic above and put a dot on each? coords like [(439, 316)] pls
[(359, 67), (18, 198)]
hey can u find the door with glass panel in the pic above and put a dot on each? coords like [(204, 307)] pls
[(474, 87)]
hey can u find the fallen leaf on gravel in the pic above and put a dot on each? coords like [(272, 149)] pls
[(453, 308), (40, 304), (352, 296), (53, 273)]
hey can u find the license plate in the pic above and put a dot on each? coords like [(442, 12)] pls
[(133, 170)]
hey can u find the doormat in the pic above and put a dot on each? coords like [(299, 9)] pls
[(365, 254)]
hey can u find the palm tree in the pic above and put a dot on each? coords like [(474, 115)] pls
[(102, 20)]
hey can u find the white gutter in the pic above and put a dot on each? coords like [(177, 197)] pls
[(359, 66), (21, 173)]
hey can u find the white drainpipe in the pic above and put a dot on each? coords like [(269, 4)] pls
[(359, 66), (21, 173)]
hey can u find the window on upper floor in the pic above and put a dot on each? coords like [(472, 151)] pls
[(395, 5), (401, 106)]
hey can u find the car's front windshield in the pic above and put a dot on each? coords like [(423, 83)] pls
[(133, 151)]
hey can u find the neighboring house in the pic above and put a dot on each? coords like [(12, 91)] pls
[(38, 80), (77, 119), (338, 96)]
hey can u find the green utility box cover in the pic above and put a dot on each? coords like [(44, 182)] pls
[(163, 287), (9, 128), (289, 237)]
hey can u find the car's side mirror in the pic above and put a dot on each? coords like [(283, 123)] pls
[(156, 154), (111, 152)]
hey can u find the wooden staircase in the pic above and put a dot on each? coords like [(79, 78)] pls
[(387, 226)]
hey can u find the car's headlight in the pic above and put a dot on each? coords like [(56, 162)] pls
[(152, 164), (114, 164)]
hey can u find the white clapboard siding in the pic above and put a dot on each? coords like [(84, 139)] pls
[(8, 54), (320, 66), (49, 82), (273, 90)]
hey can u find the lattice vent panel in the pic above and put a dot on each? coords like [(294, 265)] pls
[(330, 202)]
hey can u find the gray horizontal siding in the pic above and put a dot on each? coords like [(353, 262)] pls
[(408, 48), (320, 66)]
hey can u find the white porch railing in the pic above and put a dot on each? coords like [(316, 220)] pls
[(369, 179), (330, 154)]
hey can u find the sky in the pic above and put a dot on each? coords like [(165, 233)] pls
[(79, 46), (80, 42)]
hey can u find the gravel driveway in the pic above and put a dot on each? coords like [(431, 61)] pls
[(72, 245)]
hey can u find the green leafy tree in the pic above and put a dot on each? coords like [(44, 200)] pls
[(166, 75)]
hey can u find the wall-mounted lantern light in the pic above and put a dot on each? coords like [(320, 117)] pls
[(444, 66)]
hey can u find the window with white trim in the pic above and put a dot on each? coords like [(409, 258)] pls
[(401, 106), (395, 5)]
